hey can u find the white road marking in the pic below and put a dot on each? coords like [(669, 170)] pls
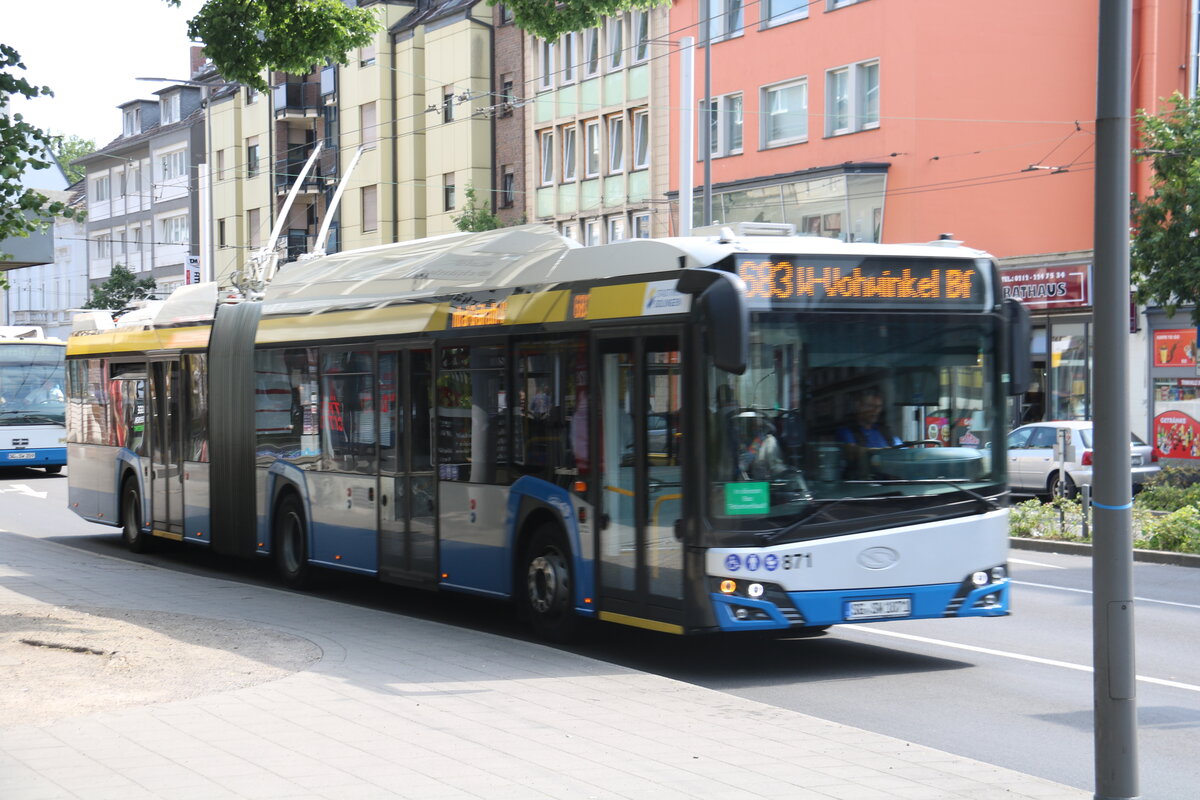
[(1035, 563), (1017, 656), (1089, 591), (20, 488)]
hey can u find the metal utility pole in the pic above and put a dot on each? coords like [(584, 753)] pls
[(1114, 679), (706, 123), (687, 157)]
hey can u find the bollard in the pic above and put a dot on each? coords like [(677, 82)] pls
[(1085, 507)]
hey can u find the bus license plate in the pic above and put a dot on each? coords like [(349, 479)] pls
[(879, 609), (17, 456)]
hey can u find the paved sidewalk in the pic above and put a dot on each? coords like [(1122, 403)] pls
[(399, 707)]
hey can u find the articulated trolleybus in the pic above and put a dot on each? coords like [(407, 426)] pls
[(32, 430), (739, 431)]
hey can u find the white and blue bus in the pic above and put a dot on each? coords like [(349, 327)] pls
[(32, 406), (742, 430)]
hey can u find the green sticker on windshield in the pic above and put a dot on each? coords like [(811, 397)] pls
[(747, 498)]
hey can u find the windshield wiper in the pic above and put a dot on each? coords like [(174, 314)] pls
[(826, 507), (30, 419), (989, 502)]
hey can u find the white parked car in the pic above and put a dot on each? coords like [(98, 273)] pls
[(1033, 468)]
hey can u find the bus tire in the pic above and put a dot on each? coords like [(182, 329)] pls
[(53, 469), (136, 538), (289, 542), (546, 585)]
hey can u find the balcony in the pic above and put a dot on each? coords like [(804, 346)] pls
[(288, 169), (329, 85), (296, 100), (299, 242)]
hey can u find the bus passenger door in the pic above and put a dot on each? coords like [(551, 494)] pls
[(407, 491), (641, 560), (166, 469)]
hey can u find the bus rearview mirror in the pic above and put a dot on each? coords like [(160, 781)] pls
[(723, 316)]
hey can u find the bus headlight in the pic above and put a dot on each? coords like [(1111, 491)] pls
[(755, 590), (980, 578)]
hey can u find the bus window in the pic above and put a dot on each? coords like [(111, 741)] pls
[(285, 410), (196, 446), (550, 410), (472, 435), (347, 397)]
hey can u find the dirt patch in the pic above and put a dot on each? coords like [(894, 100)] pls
[(60, 662)]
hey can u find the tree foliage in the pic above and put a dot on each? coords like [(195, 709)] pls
[(476, 216), (1165, 253), (120, 290), (244, 38), (23, 147), (550, 19), (67, 149)]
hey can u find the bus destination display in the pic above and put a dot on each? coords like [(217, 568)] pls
[(874, 283)]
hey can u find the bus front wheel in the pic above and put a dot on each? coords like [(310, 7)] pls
[(547, 585), (136, 538), (53, 469), (290, 543)]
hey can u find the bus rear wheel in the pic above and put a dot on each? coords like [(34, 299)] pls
[(53, 469), (290, 543), (546, 586), (136, 538)]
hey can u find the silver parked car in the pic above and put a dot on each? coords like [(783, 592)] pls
[(1033, 468)]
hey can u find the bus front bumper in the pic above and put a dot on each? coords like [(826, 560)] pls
[(34, 457)]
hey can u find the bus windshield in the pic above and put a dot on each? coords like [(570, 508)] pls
[(31, 384), (857, 421)]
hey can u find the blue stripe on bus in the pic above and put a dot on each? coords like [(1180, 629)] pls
[(559, 499), (829, 608), (34, 456)]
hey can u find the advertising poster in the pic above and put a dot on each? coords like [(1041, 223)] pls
[(1175, 348), (1176, 435)]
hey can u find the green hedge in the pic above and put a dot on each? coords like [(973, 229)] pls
[(1059, 520)]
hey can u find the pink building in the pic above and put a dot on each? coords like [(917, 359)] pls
[(875, 120)]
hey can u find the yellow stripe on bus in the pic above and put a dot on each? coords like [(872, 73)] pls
[(124, 341), (357, 324), (639, 622), (613, 302)]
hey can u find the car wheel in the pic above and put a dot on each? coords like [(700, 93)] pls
[(290, 543), (547, 587), (136, 538), (1064, 487)]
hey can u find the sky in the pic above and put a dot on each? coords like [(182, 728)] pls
[(90, 52)]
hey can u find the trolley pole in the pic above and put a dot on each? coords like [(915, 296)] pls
[(1114, 679)]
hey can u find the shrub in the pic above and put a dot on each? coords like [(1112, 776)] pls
[(1181, 477), (1169, 496), (1178, 532), (1058, 520)]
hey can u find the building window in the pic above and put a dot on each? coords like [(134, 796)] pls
[(591, 232), (568, 154), (132, 122), (447, 104), (135, 179), (172, 165), (616, 228), (253, 227), (221, 233), (830, 5), (641, 139), (168, 106), (777, 12), (546, 65), (366, 55), (725, 18), (173, 230), (591, 52), (448, 191), (546, 141), (616, 43), (104, 245), (251, 95), (135, 241), (370, 209), (569, 231), (568, 46), (101, 189), (366, 124), (508, 187), (724, 125), (220, 165), (641, 36), (507, 98), (506, 15), (616, 144), (641, 226), (591, 141), (785, 113), (852, 98), (252, 165)]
